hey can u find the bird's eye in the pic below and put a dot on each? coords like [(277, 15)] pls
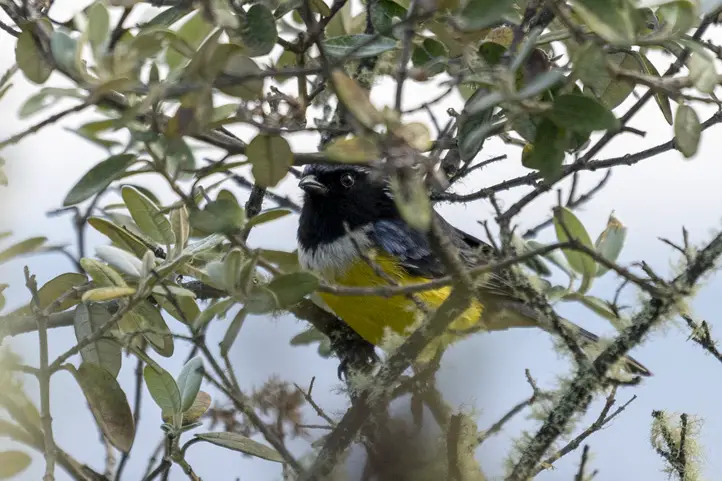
[(347, 180)]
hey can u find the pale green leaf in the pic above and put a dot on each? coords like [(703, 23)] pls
[(106, 353), (687, 130), (98, 178), (148, 216), (238, 442), (163, 389), (30, 60), (271, 157), (13, 463), (189, 382)]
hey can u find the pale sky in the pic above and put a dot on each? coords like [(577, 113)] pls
[(484, 374)]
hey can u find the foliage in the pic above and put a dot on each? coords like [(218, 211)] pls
[(547, 77)]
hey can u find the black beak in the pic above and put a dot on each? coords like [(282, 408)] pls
[(311, 185)]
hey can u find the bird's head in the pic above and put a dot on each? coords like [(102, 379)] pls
[(334, 194)]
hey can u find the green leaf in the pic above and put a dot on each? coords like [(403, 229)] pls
[(565, 220), (412, 201), (599, 307), (232, 332), (612, 91), (554, 257), (309, 336), (13, 463), (121, 236), (349, 46), (353, 150), (21, 248), (212, 311), (267, 216), (238, 442), (102, 274), (582, 114), (221, 215), (687, 130), (479, 14), (660, 97), (163, 389), (180, 223), (167, 17), (192, 32), (59, 286), (589, 62), (62, 47), (148, 216), (430, 55), (239, 65), (122, 260), (98, 178), (383, 13), (189, 382), (676, 18), (473, 132), (546, 154), (355, 99), (106, 353), (47, 97), (108, 403), (30, 60), (98, 27), (188, 312), (198, 408), (271, 158), (613, 20), (610, 242), (291, 288), (146, 318), (702, 71), (258, 31), (107, 293)]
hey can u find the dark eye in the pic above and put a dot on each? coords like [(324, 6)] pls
[(347, 180)]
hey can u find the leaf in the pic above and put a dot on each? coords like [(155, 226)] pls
[(238, 442), (687, 130), (479, 14), (613, 91), (199, 407), (45, 98), (383, 13), (146, 318), (221, 215), (121, 260), (353, 150), (702, 71), (148, 216), (239, 65), (107, 293), (355, 99), (212, 311), (180, 224), (271, 158), (232, 332), (189, 382), (610, 19), (121, 236), (21, 248), (565, 220), (98, 178), (192, 33), (102, 274), (349, 46), (415, 134), (108, 403), (676, 17), (163, 389), (62, 47), (610, 242), (189, 310), (58, 286), (589, 61), (660, 97), (309, 336), (581, 113), (267, 216), (546, 154), (89, 319), (598, 306), (30, 60), (259, 31), (13, 463), (412, 201), (98, 27), (430, 55)]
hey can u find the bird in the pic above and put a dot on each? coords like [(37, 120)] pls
[(351, 233)]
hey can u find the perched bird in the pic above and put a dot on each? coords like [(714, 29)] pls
[(351, 234)]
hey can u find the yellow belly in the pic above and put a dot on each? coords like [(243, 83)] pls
[(372, 316)]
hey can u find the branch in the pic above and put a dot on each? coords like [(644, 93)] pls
[(579, 394)]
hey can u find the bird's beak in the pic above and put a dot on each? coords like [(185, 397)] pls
[(311, 185)]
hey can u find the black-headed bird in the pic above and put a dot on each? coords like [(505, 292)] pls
[(350, 229)]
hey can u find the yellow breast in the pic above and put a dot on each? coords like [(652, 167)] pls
[(371, 316)]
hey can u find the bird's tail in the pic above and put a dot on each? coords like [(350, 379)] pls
[(505, 314), (587, 339)]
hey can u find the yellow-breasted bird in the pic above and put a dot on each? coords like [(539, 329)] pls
[(349, 208)]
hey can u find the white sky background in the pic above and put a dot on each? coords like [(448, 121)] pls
[(484, 374)]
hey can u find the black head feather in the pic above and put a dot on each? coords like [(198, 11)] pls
[(335, 194)]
